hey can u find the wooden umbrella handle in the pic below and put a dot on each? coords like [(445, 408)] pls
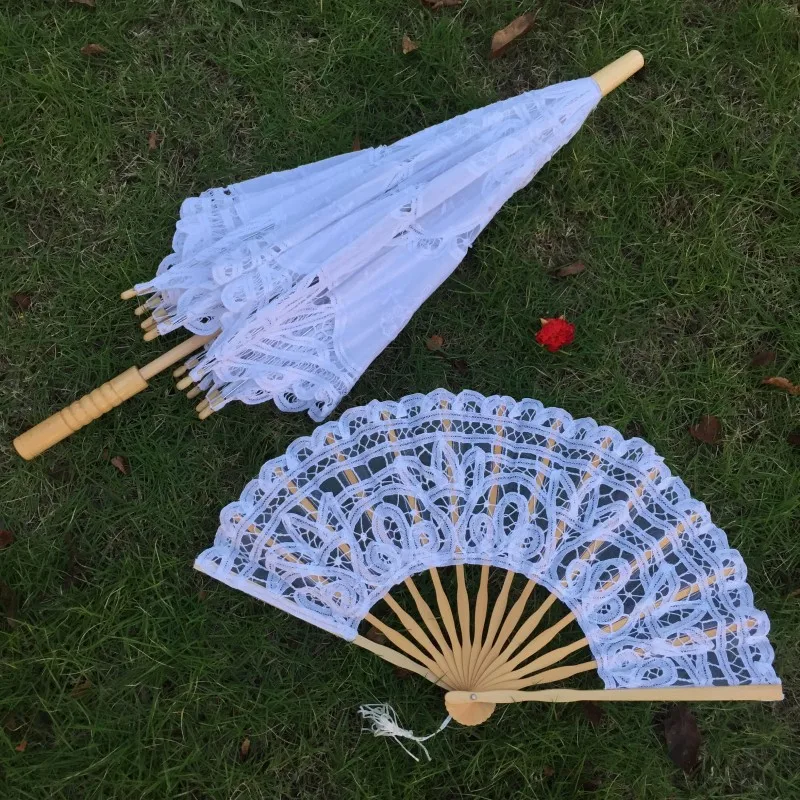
[(93, 405)]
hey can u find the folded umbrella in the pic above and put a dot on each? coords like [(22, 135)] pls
[(303, 277)]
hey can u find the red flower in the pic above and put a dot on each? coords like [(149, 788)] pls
[(555, 333)]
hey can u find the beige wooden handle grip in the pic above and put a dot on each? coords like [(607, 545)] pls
[(617, 72), (35, 441), (93, 405)]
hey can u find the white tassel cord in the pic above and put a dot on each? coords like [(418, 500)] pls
[(383, 722)]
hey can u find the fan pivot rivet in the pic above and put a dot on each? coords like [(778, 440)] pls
[(473, 696)]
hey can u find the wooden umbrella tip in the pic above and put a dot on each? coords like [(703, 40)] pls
[(617, 72), (128, 294), (151, 334)]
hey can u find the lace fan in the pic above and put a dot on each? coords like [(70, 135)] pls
[(295, 281), (385, 501)]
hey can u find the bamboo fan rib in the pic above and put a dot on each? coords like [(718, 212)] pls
[(394, 516)]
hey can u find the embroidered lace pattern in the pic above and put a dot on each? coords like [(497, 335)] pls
[(375, 232), (395, 488)]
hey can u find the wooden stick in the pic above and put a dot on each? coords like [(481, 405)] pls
[(429, 619), (538, 664), (414, 628), (448, 619), (399, 660), (533, 647), (617, 72), (522, 635), (462, 607), (676, 694), (63, 424), (481, 609), (495, 620), (488, 662), (402, 642), (548, 676)]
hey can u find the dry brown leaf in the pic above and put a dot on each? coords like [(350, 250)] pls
[(93, 50), (244, 748), (435, 342), (356, 143), (571, 269), (153, 140), (121, 463), (762, 358), (435, 5), (22, 746), (593, 712), (374, 635), (89, 3), (21, 301), (409, 45), (202, 595), (460, 366), (505, 36), (794, 438), (682, 737), (6, 538), (81, 688), (548, 771), (708, 430), (784, 384)]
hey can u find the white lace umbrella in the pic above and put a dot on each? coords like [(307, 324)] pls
[(303, 277), (373, 506)]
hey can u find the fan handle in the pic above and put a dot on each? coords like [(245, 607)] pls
[(764, 692)]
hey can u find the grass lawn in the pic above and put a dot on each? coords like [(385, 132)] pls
[(129, 675)]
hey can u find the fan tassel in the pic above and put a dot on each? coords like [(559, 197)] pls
[(382, 721)]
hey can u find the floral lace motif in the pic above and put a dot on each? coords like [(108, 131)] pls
[(378, 229), (393, 489)]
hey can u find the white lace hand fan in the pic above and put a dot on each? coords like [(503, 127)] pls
[(355, 513), (305, 276)]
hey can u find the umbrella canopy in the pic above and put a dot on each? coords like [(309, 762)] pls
[(311, 272), (295, 281)]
